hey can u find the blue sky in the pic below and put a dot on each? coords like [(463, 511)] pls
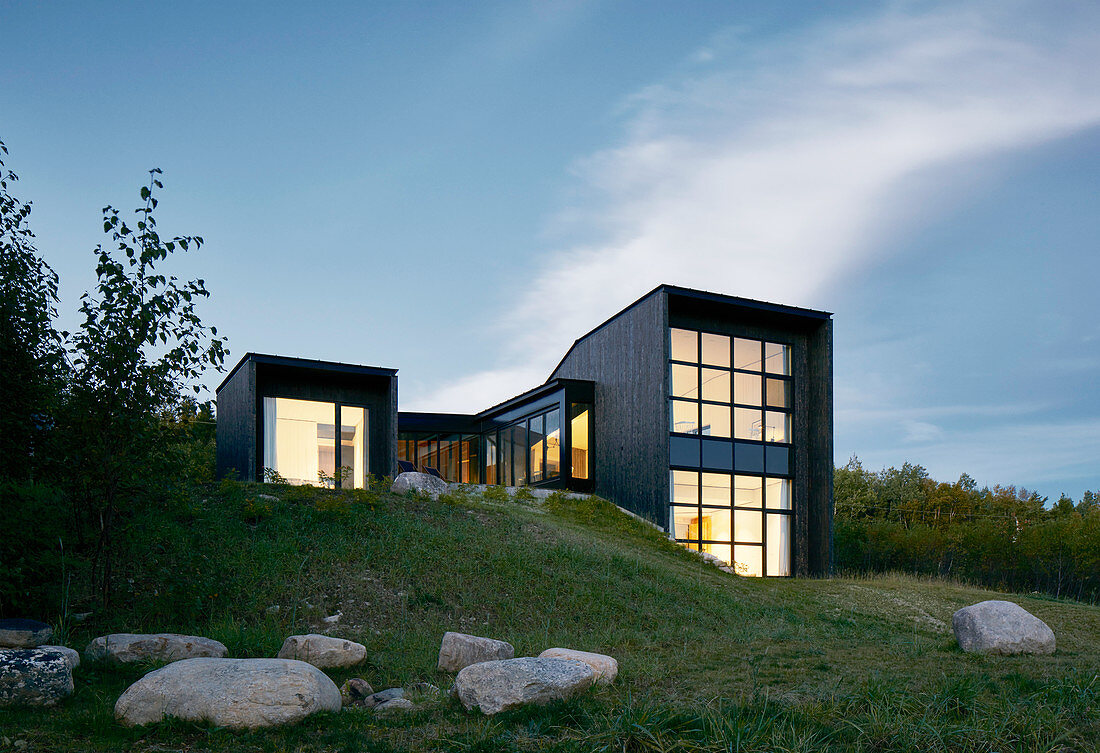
[(459, 190)]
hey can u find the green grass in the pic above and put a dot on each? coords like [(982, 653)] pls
[(708, 661)]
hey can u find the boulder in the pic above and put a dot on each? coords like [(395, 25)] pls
[(71, 654), (323, 650), (496, 686), (34, 677), (354, 691), (458, 651), (605, 667), (1001, 627), (235, 693), (127, 648), (21, 633), (425, 483)]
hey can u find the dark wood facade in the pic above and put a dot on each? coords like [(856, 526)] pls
[(625, 357), (240, 407)]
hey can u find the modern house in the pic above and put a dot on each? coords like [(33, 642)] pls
[(709, 415)]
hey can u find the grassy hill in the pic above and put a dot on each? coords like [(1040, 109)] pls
[(708, 661)]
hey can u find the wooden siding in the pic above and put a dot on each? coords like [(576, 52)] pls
[(625, 357), (235, 433), (820, 442)]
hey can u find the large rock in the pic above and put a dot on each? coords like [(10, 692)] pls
[(605, 667), (411, 481), (323, 650), (458, 651), (1001, 627), (34, 677), (496, 686), (237, 693), (126, 648), (21, 633)]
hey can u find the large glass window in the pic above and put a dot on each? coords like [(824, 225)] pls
[(578, 430), (301, 445), (736, 392), (518, 439), (536, 437), (426, 455), (491, 458), (470, 470), (353, 446), (743, 519), (449, 453), (553, 444)]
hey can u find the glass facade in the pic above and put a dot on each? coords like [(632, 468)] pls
[(300, 442), (730, 440), (526, 451)]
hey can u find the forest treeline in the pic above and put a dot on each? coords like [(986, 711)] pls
[(900, 519)]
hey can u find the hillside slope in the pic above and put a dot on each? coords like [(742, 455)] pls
[(708, 661)]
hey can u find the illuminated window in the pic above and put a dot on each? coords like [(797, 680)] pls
[(300, 442), (736, 394), (491, 459), (685, 346), (578, 430), (536, 438), (716, 350), (553, 444)]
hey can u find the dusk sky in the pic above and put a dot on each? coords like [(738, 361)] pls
[(460, 190)]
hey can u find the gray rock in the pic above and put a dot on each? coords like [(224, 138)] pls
[(355, 691), (127, 648), (425, 483), (236, 693), (21, 633), (323, 650), (383, 696), (397, 704), (605, 667), (34, 677), (1001, 627), (71, 654), (497, 686), (458, 651)]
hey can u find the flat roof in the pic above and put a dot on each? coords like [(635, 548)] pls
[(335, 367), (751, 303)]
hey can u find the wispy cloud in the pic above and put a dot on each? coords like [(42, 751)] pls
[(774, 168)]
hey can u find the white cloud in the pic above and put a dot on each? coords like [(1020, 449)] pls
[(779, 170)]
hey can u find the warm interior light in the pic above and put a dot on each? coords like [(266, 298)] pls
[(579, 430)]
